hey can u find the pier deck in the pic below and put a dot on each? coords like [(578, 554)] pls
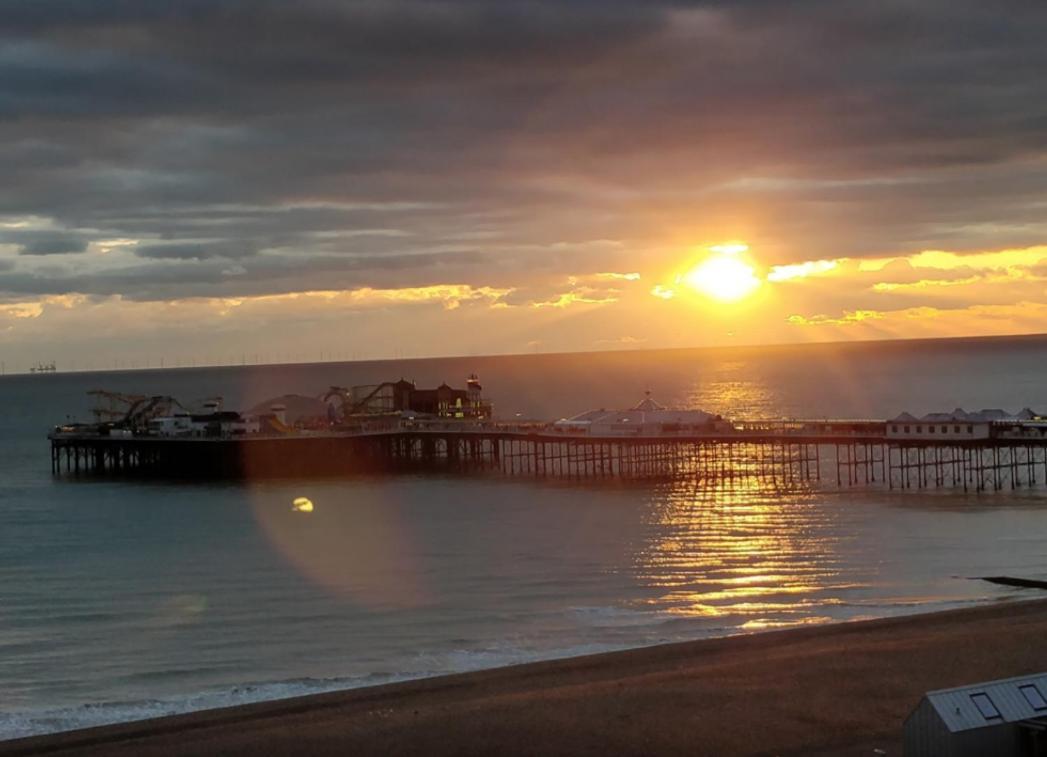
[(779, 455)]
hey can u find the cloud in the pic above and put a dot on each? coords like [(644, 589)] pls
[(245, 149), (579, 295), (1021, 317), (451, 296), (579, 109), (21, 310), (43, 242), (55, 246), (801, 270), (602, 288), (855, 316), (36, 308), (178, 278), (193, 251), (924, 284)]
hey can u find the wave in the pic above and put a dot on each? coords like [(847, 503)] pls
[(16, 725), (648, 627), (611, 616), (34, 722)]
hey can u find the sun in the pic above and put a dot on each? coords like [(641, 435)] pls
[(724, 275)]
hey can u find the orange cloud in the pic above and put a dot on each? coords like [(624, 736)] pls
[(855, 316), (802, 270), (926, 321), (581, 295)]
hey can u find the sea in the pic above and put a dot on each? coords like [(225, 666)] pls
[(122, 600)]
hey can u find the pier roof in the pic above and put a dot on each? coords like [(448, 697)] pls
[(648, 405), (985, 415), (646, 412)]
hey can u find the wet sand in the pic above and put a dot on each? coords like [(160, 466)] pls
[(830, 690)]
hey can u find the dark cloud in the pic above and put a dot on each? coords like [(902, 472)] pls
[(43, 242), (306, 137), (173, 278), (56, 246), (193, 251)]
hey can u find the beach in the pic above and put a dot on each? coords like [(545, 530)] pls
[(841, 689)]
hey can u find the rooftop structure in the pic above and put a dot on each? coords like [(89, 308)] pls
[(403, 396), (1005, 717), (646, 418), (986, 415), (959, 424)]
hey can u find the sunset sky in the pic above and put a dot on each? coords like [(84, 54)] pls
[(217, 181)]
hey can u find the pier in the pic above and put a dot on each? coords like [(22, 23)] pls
[(780, 454)]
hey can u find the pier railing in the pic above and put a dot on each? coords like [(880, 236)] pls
[(807, 454)]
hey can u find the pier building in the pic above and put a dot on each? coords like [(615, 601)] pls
[(647, 418), (960, 424), (392, 397), (957, 424), (216, 424)]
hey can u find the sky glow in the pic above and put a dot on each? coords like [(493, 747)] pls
[(234, 181)]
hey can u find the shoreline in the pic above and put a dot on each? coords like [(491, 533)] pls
[(842, 688)]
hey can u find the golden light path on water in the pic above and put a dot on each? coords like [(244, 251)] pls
[(762, 557), (750, 551), (730, 390)]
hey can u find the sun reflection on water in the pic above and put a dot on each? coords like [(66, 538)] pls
[(733, 392), (763, 557)]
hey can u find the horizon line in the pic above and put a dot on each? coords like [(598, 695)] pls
[(485, 356)]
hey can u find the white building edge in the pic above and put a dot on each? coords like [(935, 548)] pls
[(647, 418)]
